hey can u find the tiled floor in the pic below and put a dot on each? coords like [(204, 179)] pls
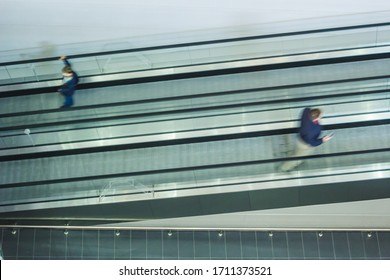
[(198, 245)]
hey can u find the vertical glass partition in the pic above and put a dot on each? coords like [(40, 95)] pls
[(200, 53)]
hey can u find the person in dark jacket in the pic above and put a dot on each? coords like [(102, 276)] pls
[(69, 83), (309, 136)]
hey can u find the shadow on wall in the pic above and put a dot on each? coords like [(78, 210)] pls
[(45, 49)]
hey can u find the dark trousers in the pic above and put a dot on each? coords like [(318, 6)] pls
[(68, 100)]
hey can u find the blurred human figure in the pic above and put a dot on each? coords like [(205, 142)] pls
[(69, 83), (307, 138)]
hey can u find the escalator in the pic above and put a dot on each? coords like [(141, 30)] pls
[(204, 138)]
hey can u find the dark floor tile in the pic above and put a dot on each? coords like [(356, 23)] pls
[(106, 244), (58, 244), (154, 244), (341, 247), (186, 245), (370, 241), (218, 245), (233, 245), (202, 245), (45, 244), (249, 245), (90, 244), (295, 245), (10, 243), (122, 244), (384, 243), (279, 245), (264, 245), (356, 246), (42, 244), (138, 244), (170, 245), (75, 242), (1, 241), (26, 244), (310, 245), (325, 245)]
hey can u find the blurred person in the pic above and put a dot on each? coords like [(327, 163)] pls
[(308, 137), (69, 83)]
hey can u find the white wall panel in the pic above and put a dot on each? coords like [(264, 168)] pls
[(41, 28)]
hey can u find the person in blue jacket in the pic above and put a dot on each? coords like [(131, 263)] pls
[(69, 83), (309, 136)]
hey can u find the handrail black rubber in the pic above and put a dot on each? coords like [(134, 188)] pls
[(207, 73), (163, 143), (187, 168), (174, 98)]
